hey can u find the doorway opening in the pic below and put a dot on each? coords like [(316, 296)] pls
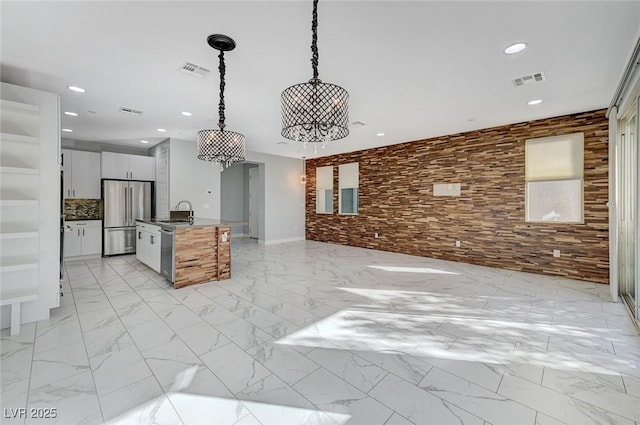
[(242, 199)]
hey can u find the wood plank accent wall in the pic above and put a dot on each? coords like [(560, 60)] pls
[(396, 200), (201, 256)]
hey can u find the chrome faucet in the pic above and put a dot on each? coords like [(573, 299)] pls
[(190, 208), (188, 203)]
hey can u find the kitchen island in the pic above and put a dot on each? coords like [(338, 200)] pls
[(194, 251)]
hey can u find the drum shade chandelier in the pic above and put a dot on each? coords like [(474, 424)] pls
[(221, 146), (315, 112)]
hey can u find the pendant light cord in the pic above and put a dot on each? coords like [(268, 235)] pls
[(314, 40), (221, 68)]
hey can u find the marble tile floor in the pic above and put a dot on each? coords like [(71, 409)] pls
[(314, 333)]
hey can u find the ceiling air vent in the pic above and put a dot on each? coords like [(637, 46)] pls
[(194, 70), (131, 111), (525, 80)]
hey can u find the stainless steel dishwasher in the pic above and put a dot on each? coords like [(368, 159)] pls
[(167, 254)]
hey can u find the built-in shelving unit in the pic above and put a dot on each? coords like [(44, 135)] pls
[(20, 192)]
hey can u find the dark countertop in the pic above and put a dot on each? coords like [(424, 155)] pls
[(197, 222), (81, 219)]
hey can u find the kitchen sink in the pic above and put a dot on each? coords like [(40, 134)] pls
[(172, 221)]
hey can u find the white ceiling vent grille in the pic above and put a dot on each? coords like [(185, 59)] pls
[(130, 111), (194, 70), (525, 80)]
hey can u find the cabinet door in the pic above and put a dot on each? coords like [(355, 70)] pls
[(85, 172), (142, 168), (140, 245), (115, 166), (91, 240), (66, 173), (73, 242), (154, 251)]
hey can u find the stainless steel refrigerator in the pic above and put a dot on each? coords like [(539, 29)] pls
[(124, 202)]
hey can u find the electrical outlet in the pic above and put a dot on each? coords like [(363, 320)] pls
[(556, 253), (458, 244), (376, 235)]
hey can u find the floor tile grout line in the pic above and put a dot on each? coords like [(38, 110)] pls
[(335, 308), (33, 352), (162, 389), (616, 413), (203, 364), (84, 343)]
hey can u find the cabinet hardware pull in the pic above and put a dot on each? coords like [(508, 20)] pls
[(82, 232), (152, 240)]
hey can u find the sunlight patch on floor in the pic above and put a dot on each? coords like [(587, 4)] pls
[(407, 269)]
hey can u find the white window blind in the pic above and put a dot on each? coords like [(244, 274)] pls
[(554, 169), (348, 175), (324, 190), (324, 177), (554, 158)]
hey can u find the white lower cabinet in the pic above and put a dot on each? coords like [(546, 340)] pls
[(148, 245), (83, 238)]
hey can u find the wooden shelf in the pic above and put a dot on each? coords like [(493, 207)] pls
[(18, 203), (18, 138), (19, 106), (19, 170), (10, 296), (14, 264), (18, 232)]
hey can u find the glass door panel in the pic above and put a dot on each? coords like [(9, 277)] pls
[(628, 214)]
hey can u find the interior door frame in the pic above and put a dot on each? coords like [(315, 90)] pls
[(254, 212)]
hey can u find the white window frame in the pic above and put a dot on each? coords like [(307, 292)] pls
[(324, 182), (349, 178), (566, 174)]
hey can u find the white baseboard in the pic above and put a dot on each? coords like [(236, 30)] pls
[(277, 241)]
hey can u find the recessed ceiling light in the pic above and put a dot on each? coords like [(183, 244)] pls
[(515, 48), (68, 130), (144, 141), (162, 130), (186, 114), (76, 89), (380, 134), (534, 102), (71, 114)]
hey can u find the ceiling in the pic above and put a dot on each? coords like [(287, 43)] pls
[(414, 69)]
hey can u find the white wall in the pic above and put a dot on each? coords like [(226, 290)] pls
[(283, 197), (161, 154), (193, 180), (281, 200)]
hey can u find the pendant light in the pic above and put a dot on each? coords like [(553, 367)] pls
[(221, 146), (315, 112)]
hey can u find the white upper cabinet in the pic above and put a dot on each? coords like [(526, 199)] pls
[(81, 174), (128, 167)]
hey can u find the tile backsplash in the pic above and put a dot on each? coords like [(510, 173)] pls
[(83, 209)]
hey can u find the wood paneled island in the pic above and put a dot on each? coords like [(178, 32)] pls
[(201, 250)]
